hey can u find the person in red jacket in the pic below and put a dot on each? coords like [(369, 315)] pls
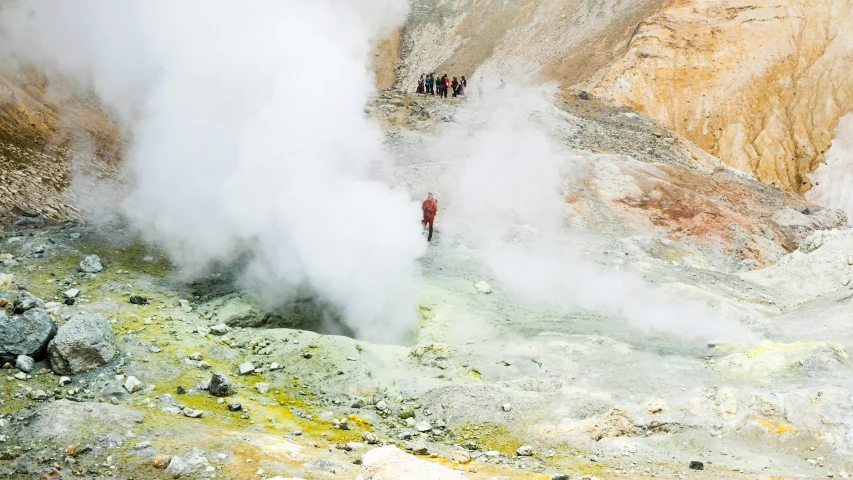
[(430, 207)]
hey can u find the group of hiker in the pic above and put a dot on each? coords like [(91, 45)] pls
[(429, 85)]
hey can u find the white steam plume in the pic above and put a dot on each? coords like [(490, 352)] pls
[(833, 181), (507, 196), (248, 133)]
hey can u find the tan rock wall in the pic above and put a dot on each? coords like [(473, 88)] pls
[(759, 83)]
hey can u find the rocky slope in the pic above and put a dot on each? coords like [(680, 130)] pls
[(537, 40), (759, 84), (40, 126)]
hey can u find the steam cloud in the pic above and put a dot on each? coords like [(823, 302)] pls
[(247, 133), (507, 197), (834, 180)]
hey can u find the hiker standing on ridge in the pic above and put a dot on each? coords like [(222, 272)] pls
[(428, 85), (421, 85), (430, 208), (455, 86), (463, 85)]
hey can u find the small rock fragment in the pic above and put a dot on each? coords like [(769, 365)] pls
[(694, 465), (262, 387), (246, 368), (162, 461), (369, 438), (91, 264), (220, 329), (138, 300), (483, 287), (193, 413), (524, 451), (220, 386), (132, 384), (63, 381), (71, 293), (460, 456), (25, 363), (423, 427)]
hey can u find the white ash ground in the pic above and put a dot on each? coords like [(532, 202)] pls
[(489, 373)]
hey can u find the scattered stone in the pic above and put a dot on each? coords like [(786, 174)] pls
[(420, 449), (407, 412), (694, 465), (204, 365), (563, 477), (71, 451), (274, 366), (381, 405), (84, 343), (423, 427), (63, 381), (246, 368), (506, 407), (91, 264), (26, 334), (39, 395), (220, 386), (195, 356), (21, 376), (460, 456), (162, 461), (193, 413), (132, 384), (524, 451), (187, 465), (234, 407), (369, 438), (262, 388), (306, 355), (71, 293), (483, 287), (181, 390), (138, 300), (220, 329), (25, 363)]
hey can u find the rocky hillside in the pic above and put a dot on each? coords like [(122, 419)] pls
[(560, 40), (40, 125), (759, 83)]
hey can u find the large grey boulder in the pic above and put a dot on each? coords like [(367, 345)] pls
[(91, 264), (85, 342), (26, 334)]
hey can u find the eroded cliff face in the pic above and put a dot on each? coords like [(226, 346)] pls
[(759, 83), (550, 40), (43, 129)]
